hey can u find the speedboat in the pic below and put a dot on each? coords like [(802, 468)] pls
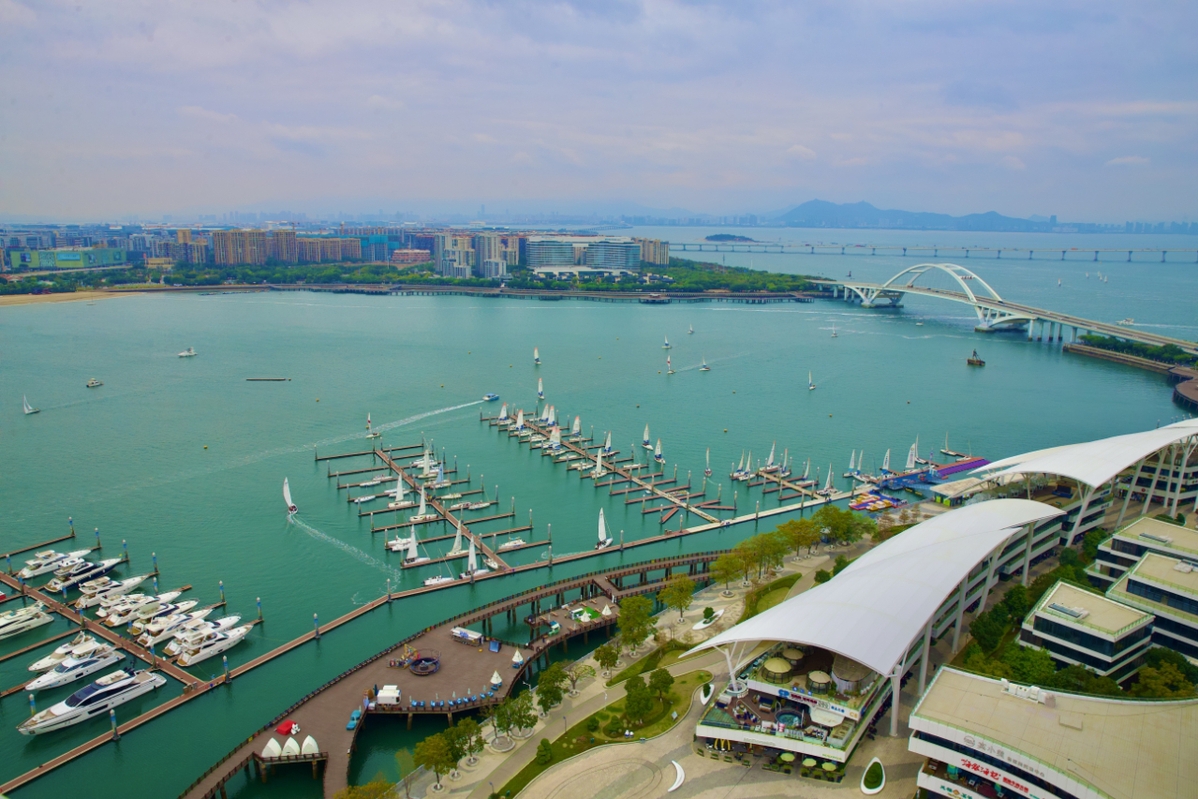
[(73, 668), (187, 353), (146, 616), (213, 645), (439, 579), (94, 383), (1127, 322), (93, 700), (165, 627), (511, 543), (192, 637), (490, 397), (87, 571), (94, 591), (79, 646), (47, 561), (400, 544)]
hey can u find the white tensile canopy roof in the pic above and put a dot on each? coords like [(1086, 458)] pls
[(1093, 462), (879, 604)]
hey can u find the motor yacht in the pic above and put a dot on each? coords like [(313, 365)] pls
[(115, 604), (47, 561), (128, 613), (79, 646), (25, 624), (188, 353), (94, 699), (194, 637), (146, 616), (94, 591), (365, 498), (81, 573), (73, 669), (165, 627), (213, 645), (512, 543), (439, 579), (17, 621), (94, 383)]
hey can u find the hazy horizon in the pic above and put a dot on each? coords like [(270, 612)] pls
[(1082, 110)]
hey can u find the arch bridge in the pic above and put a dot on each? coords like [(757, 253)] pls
[(993, 312)]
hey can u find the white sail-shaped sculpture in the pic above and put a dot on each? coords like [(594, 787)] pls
[(310, 747), (271, 750), (291, 748)]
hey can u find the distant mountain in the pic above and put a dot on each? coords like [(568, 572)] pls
[(823, 214)]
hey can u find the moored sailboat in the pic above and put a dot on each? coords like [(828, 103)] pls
[(605, 540)]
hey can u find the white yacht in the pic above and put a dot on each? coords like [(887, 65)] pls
[(188, 353), (213, 645), (15, 622), (82, 644), (165, 627), (146, 616), (646, 442), (132, 611), (47, 561), (93, 700), (192, 636), (657, 456), (511, 543), (94, 591), (81, 573), (413, 557), (439, 579), (73, 669)]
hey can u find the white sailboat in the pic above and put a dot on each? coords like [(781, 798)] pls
[(704, 367), (770, 466), (666, 346), (669, 366), (291, 508), (828, 483), (810, 382), (552, 420), (807, 469), (833, 330), (520, 419), (544, 417), (502, 413), (422, 514), (29, 408), (370, 432), (911, 458), (886, 462), (555, 439), (576, 427), (607, 444), (647, 442), (536, 356), (657, 456), (540, 388), (707, 469), (413, 556), (456, 549), (690, 330), (599, 471), (604, 539)]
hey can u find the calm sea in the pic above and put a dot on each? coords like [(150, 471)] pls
[(130, 459)]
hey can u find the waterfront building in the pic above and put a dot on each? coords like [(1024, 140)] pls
[(284, 246), (494, 268), (549, 252), (1079, 627), (985, 738), (1167, 588), (453, 254), (66, 258), (1128, 546), (613, 255), (654, 251), (237, 247), (410, 256)]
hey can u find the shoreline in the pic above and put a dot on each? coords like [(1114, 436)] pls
[(66, 296)]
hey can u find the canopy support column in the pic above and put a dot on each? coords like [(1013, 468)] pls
[(1160, 464), (960, 614), (1130, 489), (1181, 473), (989, 577), (926, 656), (1081, 513), (1027, 553)]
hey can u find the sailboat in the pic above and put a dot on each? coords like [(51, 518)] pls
[(576, 428), (502, 413), (371, 433), (599, 471), (833, 330), (29, 408), (422, 514), (607, 444), (770, 466), (827, 490), (666, 346), (810, 382), (604, 539), (852, 464), (707, 470), (536, 356), (291, 508), (785, 472), (690, 330), (669, 366), (704, 367), (646, 442), (401, 501), (520, 419), (540, 388), (911, 456), (552, 416), (413, 556), (472, 567), (657, 456), (886, 462), (555, 440)]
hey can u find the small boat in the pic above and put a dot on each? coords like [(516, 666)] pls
[(657, 456), (912, 456), (833, 330), (810, 382), (605, 540), (291, 508), (540, 388), (536, 356), (76, 668), (439, 579), (886, 463), (919, 324), (364, 498), (29, 408), (974, 360), (47, 561), (94, 383), (771, 467), (1127, 322), (576, 428), (213, 645), (93, 700), (704, 367), (1058, 281), (370, 432), (707, 470), (490, 397), (607, 444), (667, 345), (646, 442), (511, 543), (690, 330), (188, 353), (502, 413), (598, 471)]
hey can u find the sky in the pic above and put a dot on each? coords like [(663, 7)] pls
[(1087, 110)]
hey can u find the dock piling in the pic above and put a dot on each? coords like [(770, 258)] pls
[(221, 585), (98, 538), (259, 600), (224, 661), (125, 550), (32, 706), (316, 625), (71, 524)]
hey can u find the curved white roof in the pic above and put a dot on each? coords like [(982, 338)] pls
[(879, 604), (1093, 462)]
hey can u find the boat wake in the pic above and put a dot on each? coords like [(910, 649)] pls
[(352, 551)]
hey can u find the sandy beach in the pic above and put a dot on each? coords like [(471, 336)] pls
[(73, 296)]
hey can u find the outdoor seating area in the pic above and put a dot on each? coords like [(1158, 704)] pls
[(775, 760), (772, 715)]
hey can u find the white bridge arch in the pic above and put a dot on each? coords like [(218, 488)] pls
[(991, 309)]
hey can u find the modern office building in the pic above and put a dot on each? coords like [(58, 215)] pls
[(550, 252), (1127, 546), (1168, 589), (66, 258), (986, 738), (1079, 627)]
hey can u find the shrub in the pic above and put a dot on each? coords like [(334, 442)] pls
[(708, 613), (873, 776), (592, 724), (823, 576), (544, 752)]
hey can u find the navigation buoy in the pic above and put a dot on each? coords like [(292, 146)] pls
[(205, 446), (725, 429)]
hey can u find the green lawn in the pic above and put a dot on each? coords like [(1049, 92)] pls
[(768, 595), (578, 739)]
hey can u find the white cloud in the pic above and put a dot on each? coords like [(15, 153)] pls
[(1128, 160), (800, 152), (198, 112)]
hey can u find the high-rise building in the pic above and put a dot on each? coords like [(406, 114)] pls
[(283, 247), (494, 268), (236, 247), (487, 247), (654, 251), (550, 251), (618, 254), (453, 254), (183, 236)]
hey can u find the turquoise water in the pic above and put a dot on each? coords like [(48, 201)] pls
[(129, 457)]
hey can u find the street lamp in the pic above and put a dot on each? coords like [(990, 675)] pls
[(564, 725)]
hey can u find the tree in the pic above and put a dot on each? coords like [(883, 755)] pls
[(678, 594), (457, 744), (1164, 682), (773, 548), (523, 716), (1017, 601), (638, 702), (607, 656), (840, 564), (1081, 680), (1029, 666), (470, 737), (405, 764), (576, 672), (378, 788), (544, 752), (660, 683), (726, 568), (435, 754), (800, 533), (1158, 655), (635, 622)]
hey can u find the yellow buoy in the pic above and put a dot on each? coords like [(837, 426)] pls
[(205, 446), (725, 429)]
